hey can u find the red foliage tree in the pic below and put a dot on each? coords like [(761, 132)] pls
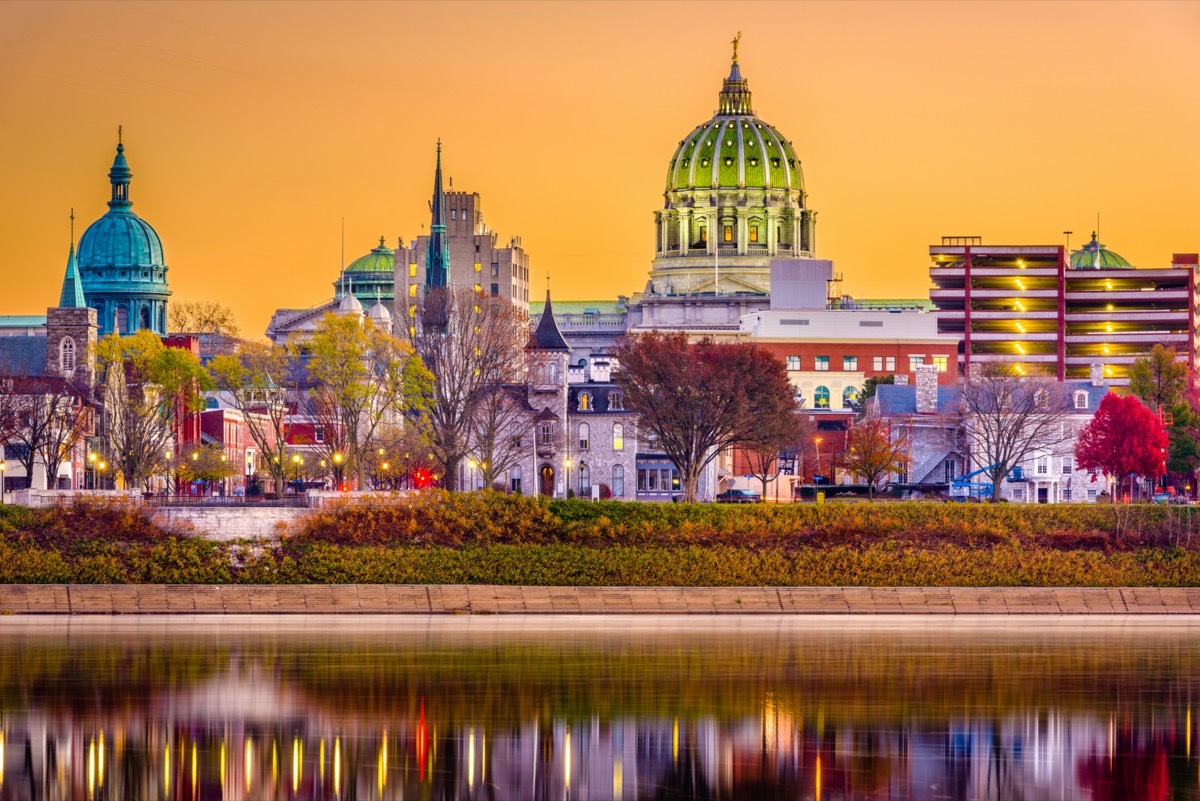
[(1124, 439)]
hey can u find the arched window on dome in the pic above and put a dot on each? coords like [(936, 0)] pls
[(145, 317), (66, 357)]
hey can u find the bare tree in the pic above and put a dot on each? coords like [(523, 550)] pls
[(47, 417), (1006, 417), (874, 449), (472, 344), (201, 317), (770, 439), (496, 428)]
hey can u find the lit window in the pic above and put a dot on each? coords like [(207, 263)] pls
[(729, 233), (942, 363), (821, 398), (822, 364), (479, 288), (754, 233), (585, 433), (412, 270), (793, 362), (478, 266), (850, 396), (585, 402), (412, 311), (412, 290), (618, 437), (850, 363)]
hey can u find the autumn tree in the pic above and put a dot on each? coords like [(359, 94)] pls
[(260, 382), (145, 389), (473, 345), (361, 378), (1159, 379), (1123, 439), (697, 399), (207, 464), (201, 317), (777, 434), (1006, 417), (873, 451)]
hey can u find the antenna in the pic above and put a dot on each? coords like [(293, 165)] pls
[(1067, 234), (1097, 226), (72, 227)]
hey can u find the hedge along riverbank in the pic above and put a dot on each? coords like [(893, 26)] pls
[(496, 539)]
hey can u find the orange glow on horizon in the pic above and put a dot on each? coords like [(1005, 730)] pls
[(253, 129)]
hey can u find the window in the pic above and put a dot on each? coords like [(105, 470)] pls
[(618, 437), (585, 433), (877, 363), (1081, 400), (915, 361), (821, 398), (850, 363), (822, 363), (1018, 494), (478, 267), (66, 356), (942, 363), (585, 481), (618, 481), (454, 214), (850, 396), (479, 289), (495, 290), (514, 479), (1066, 494), (754, 233), (948, 470), (585, 402), (412, 270), (412, 290), (615, 402), (729, 233), (1068, 465), (318, 434), (890, 363), (793, 362), (1091, 495), (552, 373), (545, 434), (122, 321), (1041, 465)]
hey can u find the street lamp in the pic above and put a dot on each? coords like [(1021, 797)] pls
[(471, 465), (818, 443), (100, 469), (337, 469), (92, 457), (567, 464), (3, 467)]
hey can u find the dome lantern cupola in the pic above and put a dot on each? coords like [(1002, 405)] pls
[(1094, 256)]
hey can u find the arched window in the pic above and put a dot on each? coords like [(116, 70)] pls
[(615, 402), (1081, 400), (585, 480), (618, 481), (821, 398), (552, 373), (585, 402), (618, 437), (66, 356), (145, 316), (585, 433), (850, 396)]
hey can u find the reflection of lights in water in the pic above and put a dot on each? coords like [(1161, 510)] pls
[(1, 759), (381, 768), (167, 770), (483, 756), (337, 766), (321, 760), (274, 763), (618, 778), (770, 720), (675, 740), (1189, 733), (1112, 738), (818, 782), (222, 763), (91, 769), (193, 770), (422, 742), (471, 759), (297, 757), (567, 760), (99, 760), (249, 759)]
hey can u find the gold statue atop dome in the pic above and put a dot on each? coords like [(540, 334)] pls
[(736, 39)]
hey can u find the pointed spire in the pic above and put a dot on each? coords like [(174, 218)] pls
[(547, 336), (119, 177), (735, 91), (437, 256), (71, 296)]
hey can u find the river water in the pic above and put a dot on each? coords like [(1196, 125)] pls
[(528, 708)]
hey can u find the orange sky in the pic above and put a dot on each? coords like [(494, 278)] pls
[(253, 129)]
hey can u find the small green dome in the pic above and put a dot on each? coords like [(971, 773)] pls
[(1094, 256), (379, 260), (735, 149)]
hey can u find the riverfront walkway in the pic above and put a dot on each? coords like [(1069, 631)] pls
[(157, 599)]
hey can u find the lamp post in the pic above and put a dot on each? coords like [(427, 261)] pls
[(91, 458), (567, 464), (385, 474), (337, 470), (471, 467), (818, 473), (296, 462), (3, 467), (100, 473)]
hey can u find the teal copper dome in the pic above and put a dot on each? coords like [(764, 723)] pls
[(735, 149), (371, 278), (1094, 256), (121, 264), (379, 260)]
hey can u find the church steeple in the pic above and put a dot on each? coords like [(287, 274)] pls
[(119, 177), (71, 296), (437, 257), (547, 335)]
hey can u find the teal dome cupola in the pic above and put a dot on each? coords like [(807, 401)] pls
[(121, 264), (370, 278), (1094, 256)]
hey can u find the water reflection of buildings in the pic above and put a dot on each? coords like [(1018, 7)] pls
[(248, 737)]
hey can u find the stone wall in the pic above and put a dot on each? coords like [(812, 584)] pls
[(227, 523)]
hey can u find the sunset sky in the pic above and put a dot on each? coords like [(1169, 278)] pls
[(253, 129)]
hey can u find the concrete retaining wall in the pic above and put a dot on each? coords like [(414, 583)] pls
[(489, 599), (226, 523)]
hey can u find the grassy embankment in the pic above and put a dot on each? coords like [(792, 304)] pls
[(512, 540)]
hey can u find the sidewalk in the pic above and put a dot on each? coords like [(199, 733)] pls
[(157, 599)]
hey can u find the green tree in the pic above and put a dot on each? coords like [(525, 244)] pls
[(1159, 379), (145, 390), (361, 378), (870, 386), (207, 464)]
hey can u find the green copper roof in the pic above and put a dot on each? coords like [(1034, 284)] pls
[(71, 296), (379, 260), (735, 149), (1094, 256)]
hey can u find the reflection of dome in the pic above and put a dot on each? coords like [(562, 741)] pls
[(1094, 256), (379, 260), (735, 149)]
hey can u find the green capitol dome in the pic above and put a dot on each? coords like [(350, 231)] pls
[(370, 279), (735, 149), (379, 260), (734, 201), (1094, 256)]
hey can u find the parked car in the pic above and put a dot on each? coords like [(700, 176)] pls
[(1164, 497), (738, 496)]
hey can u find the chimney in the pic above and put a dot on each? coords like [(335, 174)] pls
[(1097, 375), (927, 388), (974, 372), (901, 379)]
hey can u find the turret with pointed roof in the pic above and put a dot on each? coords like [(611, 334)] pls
[(437, 257), (547, 336), (71, 296)]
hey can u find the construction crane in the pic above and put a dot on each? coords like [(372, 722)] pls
[(963, 489)]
